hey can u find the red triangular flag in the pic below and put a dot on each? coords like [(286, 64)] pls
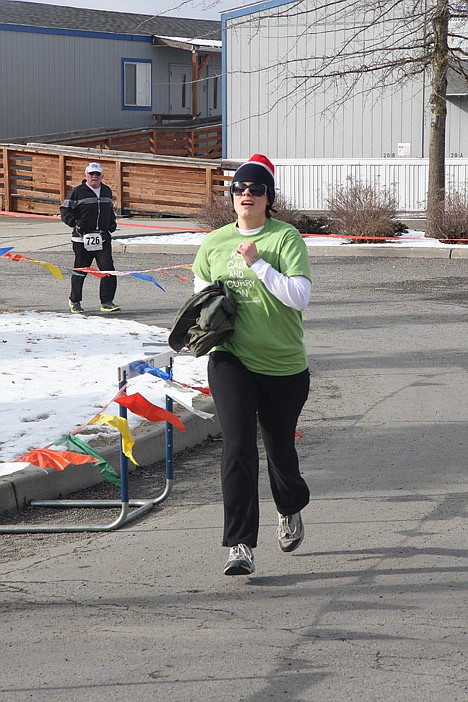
[(139, 405), (15, 256), (91, 271)]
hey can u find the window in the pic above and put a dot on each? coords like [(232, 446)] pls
[(136, 84), (215, 92), (184, 91)]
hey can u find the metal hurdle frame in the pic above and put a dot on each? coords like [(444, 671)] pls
[(126, 515)]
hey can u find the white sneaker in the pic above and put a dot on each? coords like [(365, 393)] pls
[(290, 532), (240, 561)]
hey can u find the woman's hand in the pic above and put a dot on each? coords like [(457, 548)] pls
[(247, 250)]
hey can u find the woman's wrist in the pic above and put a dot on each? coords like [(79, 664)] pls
[(253, 260)]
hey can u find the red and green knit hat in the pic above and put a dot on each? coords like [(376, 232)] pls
[(258, 169)]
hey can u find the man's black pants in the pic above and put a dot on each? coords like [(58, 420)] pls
[(104, 261), (240, 397)]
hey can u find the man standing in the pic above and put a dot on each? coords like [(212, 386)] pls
[(89, 209)]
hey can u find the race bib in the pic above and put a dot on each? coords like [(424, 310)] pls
[(92, 241)]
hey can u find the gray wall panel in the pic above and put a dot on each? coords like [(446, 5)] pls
[(268, 108), (457, 116), (57, 83)]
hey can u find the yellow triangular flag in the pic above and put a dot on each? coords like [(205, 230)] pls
[(121, 425), (56, 272)]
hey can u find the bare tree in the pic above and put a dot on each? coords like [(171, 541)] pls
[(350, 47), (438, 103)]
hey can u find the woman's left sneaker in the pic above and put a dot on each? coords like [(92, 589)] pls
[(240, 561)]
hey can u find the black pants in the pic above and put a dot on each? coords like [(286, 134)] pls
[(104, 261), (240, 397)]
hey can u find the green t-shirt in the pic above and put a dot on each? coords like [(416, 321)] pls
[(268, 336)]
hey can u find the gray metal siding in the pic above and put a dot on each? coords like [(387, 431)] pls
[(308, 183), (62, 83), (58, 83), (267, 110), (457, 118)]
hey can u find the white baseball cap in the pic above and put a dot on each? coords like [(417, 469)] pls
[(91, 167)]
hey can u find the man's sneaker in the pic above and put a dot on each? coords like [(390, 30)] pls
[(75, 307), (110, 307), (290, 532), (240, 561)]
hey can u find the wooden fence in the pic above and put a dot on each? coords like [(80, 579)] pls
[(36, 179), (190, 142)]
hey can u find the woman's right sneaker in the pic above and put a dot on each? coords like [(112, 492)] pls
[(290, 532), (240, 561)]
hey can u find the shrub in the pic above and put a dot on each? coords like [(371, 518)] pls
[(361, 210), (217, 213), (220, 212), (306, 224), (452, 219)]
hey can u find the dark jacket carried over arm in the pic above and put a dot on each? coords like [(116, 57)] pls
[(85, 212), (205, 320)]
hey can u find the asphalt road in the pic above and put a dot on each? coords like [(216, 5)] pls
[(372, 607)]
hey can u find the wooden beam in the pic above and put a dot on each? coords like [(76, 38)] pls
[(209, 186), (118, 187), (62, 177), (195, 77), (6, 179), (203, 65)]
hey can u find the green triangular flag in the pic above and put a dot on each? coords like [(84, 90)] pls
[(109, 474)]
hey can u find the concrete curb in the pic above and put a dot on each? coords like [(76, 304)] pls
[(32, 483)]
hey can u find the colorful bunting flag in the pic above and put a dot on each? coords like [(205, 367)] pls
[(106, 470), (142, 367), (50, 458), (92, 271), (140, 406), (184, 395), (15, 257), (149, 278), (121, 425), (56, 272), (197, 388)]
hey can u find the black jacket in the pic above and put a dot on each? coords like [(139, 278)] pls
[(205, 320), (85, 212)]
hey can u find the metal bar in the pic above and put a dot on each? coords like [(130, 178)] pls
[(169, 446), (123, 457), (86, 503), (60, 528), (169, 435), (164, 495)]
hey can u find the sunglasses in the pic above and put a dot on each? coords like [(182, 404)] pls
[(255, 189), (96, 173)]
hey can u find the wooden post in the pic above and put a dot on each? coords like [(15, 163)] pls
[(194, 84), (203, 64), (62, 177), (118, 188), (153, 141), (191, 144), (6, 179), (209, 185)]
